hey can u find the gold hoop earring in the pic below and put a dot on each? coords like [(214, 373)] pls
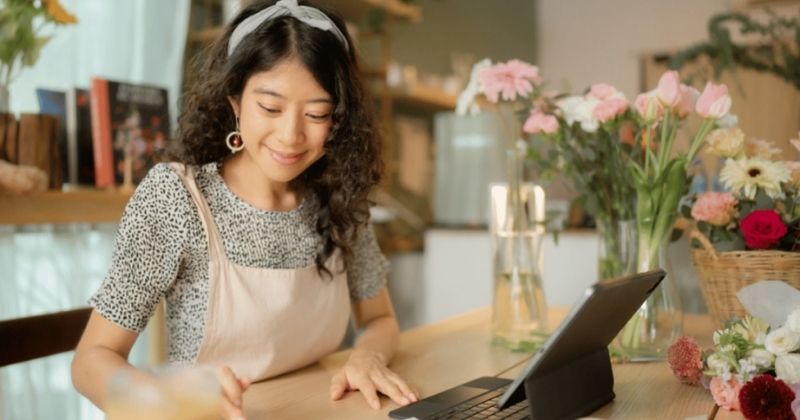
[(234, 139)]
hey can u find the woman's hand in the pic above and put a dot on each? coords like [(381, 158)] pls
[(232, 390), (366, 371)]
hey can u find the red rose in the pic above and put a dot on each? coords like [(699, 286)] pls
[(762, 229)]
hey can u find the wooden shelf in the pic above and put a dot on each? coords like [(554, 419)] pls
[(79, 206), (355, 10), (424, 97), (206, 35)]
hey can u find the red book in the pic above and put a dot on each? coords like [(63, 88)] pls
[(130, 128), (101, 134)]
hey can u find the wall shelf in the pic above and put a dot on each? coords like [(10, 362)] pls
[(425, 97), (357, 9), (57, 207)]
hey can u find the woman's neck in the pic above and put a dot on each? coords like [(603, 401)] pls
[(245, 179)]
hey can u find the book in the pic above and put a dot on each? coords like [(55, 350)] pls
[(130, 127), (79, 137), (54, 102)]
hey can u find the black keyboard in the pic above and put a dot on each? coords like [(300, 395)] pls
[(484, 406)]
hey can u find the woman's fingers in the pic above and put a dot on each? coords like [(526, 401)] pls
[(368, 390), (231, 388), (390, 389), (244, 383), (338, 386), (409, 392), (230, 412)]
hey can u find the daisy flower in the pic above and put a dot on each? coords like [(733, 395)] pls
[(745, 176)]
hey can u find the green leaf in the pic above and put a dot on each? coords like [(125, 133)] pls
[(763, 201)]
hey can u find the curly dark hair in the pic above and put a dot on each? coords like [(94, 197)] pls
[(352, 163)]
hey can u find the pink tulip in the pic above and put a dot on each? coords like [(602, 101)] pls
[(648, 107), (714, 102), (668, 90), (539, 122), (687, 100), (602, 91)]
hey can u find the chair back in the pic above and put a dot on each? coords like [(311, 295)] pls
[(23, 339)]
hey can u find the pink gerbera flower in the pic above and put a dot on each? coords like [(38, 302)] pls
[(686, 360), (509, 80)]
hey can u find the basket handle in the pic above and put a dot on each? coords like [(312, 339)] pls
[(696, 234)]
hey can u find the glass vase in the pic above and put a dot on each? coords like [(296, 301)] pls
[(519, 312), (617, 243), (659, 321)]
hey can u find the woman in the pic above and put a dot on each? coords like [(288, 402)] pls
[(258, 236)]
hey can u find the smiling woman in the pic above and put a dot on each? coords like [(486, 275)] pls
[(264, 210)]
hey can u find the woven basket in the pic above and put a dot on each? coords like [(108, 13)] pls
[(723, 274)]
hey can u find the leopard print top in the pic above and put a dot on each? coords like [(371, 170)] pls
[(161, 251)]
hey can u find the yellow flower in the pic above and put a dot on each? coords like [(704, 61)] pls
[(746, 175), (58, 13), (726, 142)]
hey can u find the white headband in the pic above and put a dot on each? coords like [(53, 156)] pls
[(309, 15)]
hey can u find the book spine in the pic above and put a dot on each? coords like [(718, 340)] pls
[(101, 134), (72, 137)]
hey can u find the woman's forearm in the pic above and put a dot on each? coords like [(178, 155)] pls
[(93, 368), (381, 336)]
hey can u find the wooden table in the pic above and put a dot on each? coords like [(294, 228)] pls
[(441, 355)]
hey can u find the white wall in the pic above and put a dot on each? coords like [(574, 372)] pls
[(581, 42), (456, 274)]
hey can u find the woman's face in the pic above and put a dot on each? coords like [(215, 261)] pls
[(284, 119)]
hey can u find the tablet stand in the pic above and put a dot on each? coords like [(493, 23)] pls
[(573, 390)]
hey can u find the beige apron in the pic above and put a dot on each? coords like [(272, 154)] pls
[(263, 322)]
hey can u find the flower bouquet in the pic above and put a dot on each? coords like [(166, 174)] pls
[(651, 176), (519, 312), (751, 232), (754, 364), (590, 140)]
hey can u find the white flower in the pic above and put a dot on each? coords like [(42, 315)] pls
[(747, 368), (793, 321), (752, 329), (726, 142), (728, 121), (719, 364), (787, 368), (781, 341), (466, 100), (762, 358), (579, 109), (744, 176)]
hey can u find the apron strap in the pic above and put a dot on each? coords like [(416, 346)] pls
[(215, 247)]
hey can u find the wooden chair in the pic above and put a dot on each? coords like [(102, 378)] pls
[(23, 339)]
